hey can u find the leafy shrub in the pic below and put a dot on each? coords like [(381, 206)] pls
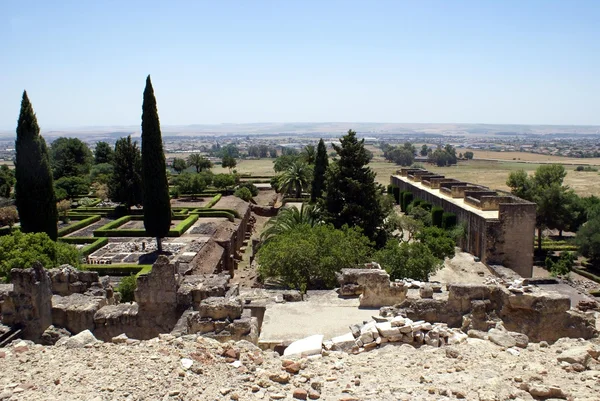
[(407, 260), (190, 184), (244, 194), (251, 187), (426, 205), (407, 199), (274, 181), (390, 189), (562, 266), (448, 220), (438, 241), (309, 257), (586, 168), (224, 180), (63, 208), (436, 216), (8, 216), (418, 213), (127, 288), (73, 186), (20, 250)]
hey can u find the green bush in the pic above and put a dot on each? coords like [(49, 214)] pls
[(438, 241), (20, 250), (390, 189), (214, 213), (562, 266), (436, 216), (407, 199), (448, 220), (251, 187), (127, 288), (309, 257), (426, 205), (407, 260), (396, 193), (243, 193)]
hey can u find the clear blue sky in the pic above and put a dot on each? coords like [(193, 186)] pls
[(84, 63)]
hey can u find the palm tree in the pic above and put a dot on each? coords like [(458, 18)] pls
[(295, 178), (199, 162), (309, 153), (290, 218)]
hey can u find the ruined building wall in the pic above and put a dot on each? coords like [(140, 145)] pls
[(506, 240)]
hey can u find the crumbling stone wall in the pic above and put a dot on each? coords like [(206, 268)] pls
[(540, 315), (29, 304), (156, 295), (373, 285)]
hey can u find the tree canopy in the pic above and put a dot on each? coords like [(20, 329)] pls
[(557, 205), (308, 257), (126, 181), (295, 178), (351, 191), (70, 157), (20, 250), (35, 197), (199, 162), (157, 202), (321, 165), (103, 153), (7, 180)]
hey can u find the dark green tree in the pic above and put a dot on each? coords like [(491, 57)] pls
[(125, 183), (424, 150), (179, 165), (103, 153), (321, 164), (351, 192), (70, 157), (199, 162), (7, 180), (35, 198), (228, 162), (157, 203)]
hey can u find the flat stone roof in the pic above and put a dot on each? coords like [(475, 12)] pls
[(460, 202)]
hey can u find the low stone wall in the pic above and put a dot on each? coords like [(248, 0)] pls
[(538, 314)]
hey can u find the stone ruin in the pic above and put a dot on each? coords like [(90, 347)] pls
[(519, 307), (49, 304), (373, 285)]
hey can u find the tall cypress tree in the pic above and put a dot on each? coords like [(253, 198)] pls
[(321, 164), (157, 203), (352, 193), (35, 198)]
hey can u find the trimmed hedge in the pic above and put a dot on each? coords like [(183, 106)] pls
[(396, 193), (214, 213), (117, 269), (78, 225), (111, 229), (436, 216), (426, 205), (587, 274), (407, 198), (182, 227), (448, 220), (93, 243), (213, 201)]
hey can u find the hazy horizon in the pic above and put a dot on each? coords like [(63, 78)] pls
[(84, 64)]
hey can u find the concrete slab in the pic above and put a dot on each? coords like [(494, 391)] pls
[(323, 313)]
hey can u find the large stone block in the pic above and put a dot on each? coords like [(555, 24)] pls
[(221, 308), (76, 312), (543, 302)]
